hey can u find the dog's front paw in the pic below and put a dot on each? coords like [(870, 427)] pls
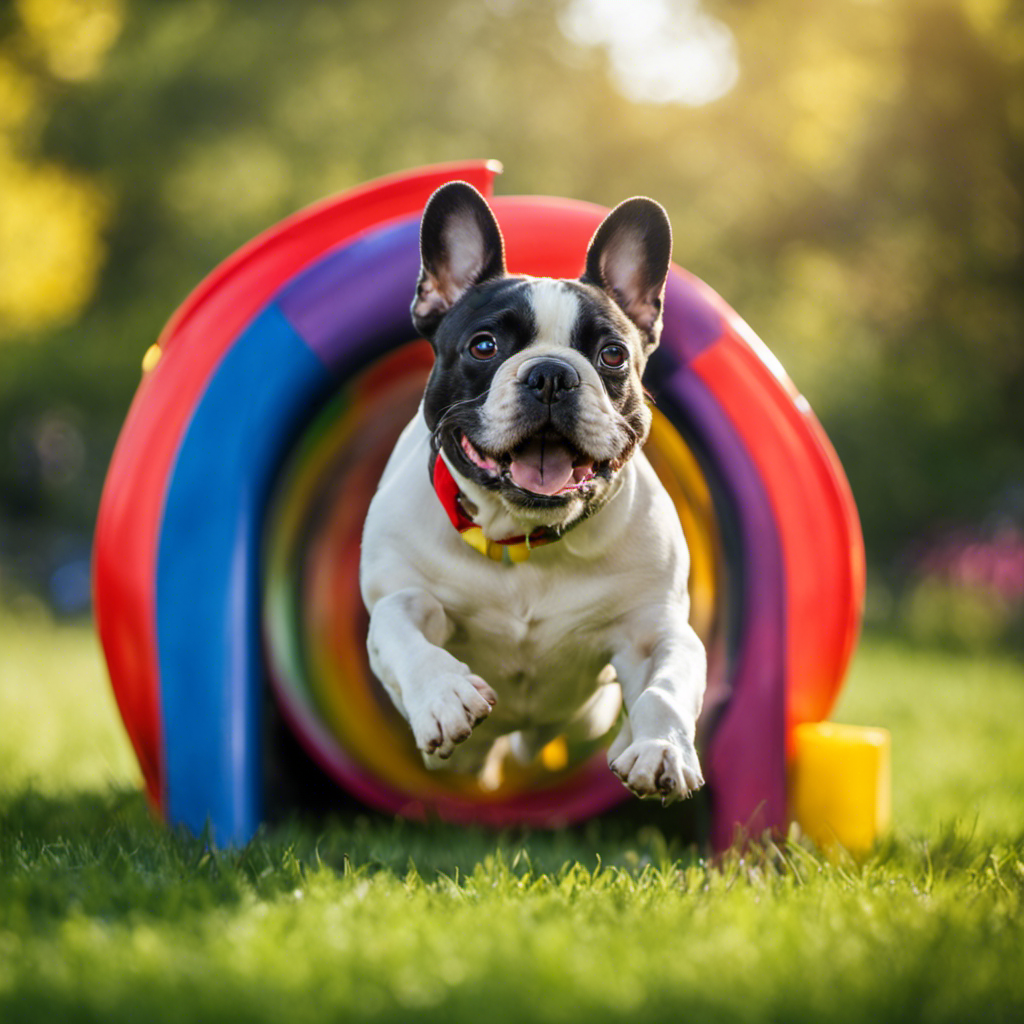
[(455, 704), (659, 768)]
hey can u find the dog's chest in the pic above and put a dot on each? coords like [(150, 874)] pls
[(539, 639)]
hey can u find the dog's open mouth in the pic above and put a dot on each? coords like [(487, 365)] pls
[(545, 464)]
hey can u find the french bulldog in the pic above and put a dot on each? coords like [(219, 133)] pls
[(524, 569)]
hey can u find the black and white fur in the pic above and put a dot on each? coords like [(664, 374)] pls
[(536, 405)]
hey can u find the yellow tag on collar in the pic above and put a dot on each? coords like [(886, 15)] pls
[(510, 554), (475, 538)]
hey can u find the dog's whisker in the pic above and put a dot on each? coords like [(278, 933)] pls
[(447, 412)]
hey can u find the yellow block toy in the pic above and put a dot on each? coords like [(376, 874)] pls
[(840, 785)]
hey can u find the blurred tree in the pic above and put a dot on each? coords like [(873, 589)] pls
[(856, 193), (51, 218), (897, 301)]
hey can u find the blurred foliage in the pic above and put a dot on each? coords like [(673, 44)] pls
[(965, 589), (856, 196), (50, 215)]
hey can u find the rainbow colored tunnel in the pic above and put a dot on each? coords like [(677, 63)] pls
[(227, 545)]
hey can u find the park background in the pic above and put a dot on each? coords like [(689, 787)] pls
[(847, 175)]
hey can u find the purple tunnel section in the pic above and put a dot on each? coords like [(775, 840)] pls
[(352, 305), (691, 326), (745, 764)]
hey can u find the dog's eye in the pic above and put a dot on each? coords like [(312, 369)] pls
[(613, 356), (483, 346)]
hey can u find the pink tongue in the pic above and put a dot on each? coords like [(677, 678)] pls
[(543, 467)]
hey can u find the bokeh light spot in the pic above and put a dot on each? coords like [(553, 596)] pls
[(660, 51)]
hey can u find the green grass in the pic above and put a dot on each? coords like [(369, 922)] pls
[(107, 916)]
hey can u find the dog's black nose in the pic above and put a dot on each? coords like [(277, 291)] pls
[(550, 379)]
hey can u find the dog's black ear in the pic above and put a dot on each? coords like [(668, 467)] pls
[(629, 258), (460, 246)]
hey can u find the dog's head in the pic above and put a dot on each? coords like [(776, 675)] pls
[(535, 394)]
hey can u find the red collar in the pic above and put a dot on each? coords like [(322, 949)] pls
[(510, 549)]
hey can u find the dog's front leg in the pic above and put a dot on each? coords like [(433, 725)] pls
[(663, 676), (437, 694)]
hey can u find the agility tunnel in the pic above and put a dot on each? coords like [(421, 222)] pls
[(227, 545)]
